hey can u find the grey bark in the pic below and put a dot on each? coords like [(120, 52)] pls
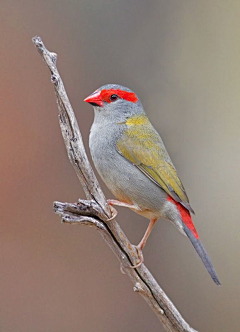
[(95, 211)]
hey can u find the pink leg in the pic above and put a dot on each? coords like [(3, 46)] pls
[(112, 202), (118, 203), (142, 243)]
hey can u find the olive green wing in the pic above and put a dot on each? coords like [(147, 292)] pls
[(143, 147)]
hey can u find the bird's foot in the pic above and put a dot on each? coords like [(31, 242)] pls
[(140, 257), (140, 260), (112, 202), (114, 213)]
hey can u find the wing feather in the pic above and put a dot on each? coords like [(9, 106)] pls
[(143, 147)]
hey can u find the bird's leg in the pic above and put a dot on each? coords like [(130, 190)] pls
[(112, 202), (142, 243)]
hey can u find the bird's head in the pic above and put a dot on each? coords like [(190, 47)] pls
[(115, 102)]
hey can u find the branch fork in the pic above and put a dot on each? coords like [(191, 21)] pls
[(96, 212)]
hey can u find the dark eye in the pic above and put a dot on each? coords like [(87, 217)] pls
[(113, 97)]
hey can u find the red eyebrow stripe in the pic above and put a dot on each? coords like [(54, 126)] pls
[(129, 96)]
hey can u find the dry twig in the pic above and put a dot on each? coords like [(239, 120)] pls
[(95, 211)]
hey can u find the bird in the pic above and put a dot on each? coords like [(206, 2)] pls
[(131, 158)]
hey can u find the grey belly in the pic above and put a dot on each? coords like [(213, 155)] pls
[(126, 181)]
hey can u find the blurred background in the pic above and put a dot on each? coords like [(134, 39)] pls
[(182, 59)]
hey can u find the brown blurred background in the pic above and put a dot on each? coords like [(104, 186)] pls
[(183, 60)]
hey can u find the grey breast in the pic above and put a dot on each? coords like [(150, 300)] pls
[(120, 176)]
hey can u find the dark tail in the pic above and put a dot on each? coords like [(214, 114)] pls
[(202, 254)]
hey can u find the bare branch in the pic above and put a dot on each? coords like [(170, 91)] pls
[(96, 212)]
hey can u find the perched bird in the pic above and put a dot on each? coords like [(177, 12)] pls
[(132, 160)]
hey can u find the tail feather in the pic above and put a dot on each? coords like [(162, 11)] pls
[(202, 254)]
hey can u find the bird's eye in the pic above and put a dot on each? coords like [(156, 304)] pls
[(113, 97)]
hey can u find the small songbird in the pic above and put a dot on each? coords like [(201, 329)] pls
[(132, 160)]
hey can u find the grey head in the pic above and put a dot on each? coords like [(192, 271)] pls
[(115, 103)]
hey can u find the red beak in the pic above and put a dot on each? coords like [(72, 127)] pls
[(95, 99)]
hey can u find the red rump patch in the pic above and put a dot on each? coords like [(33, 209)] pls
[(186, 217), (129, 96)]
